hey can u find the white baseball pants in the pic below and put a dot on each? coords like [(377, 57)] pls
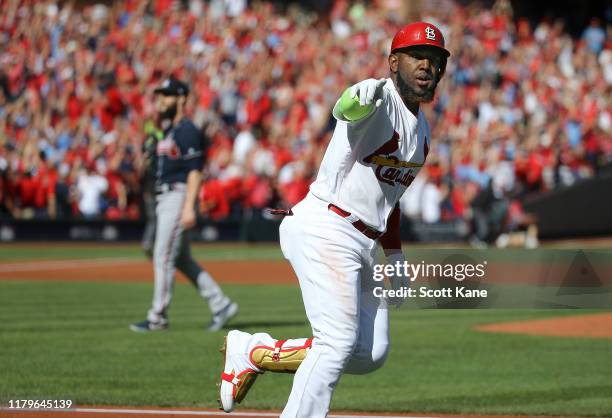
[(333, 262)]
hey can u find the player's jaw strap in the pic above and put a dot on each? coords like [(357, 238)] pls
[(279, 359)]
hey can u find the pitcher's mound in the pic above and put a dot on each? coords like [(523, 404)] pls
[(583, 326)]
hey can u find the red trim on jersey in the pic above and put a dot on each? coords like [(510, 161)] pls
[(387, 148), (391, 240)]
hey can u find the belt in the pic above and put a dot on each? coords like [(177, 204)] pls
[(356, 222), (168, 187)]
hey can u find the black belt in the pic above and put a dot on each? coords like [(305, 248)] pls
[(169, 187)]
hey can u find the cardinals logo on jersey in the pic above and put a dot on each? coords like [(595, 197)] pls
[(168, 147), (390, 169)]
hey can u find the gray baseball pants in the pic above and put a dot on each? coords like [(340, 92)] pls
[(148, 237), (172, 251)]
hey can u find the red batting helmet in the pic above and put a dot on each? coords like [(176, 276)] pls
[(419, 33)]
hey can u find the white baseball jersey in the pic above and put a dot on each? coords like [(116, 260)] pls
[(369, 163)]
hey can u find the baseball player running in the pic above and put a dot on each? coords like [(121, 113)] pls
[(380, 142), (180, 157)]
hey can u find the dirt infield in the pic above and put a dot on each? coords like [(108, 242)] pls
[(257, 271), (581, 326), (126, 270), (117, 412)]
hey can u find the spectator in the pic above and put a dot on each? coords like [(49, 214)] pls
[(431, 199), (527, 106), (63, 207), (91, 187), (595, 36)]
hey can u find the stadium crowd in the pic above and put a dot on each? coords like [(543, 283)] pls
[(523, 108)]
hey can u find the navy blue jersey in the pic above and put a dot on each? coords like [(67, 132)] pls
[(180, 151)]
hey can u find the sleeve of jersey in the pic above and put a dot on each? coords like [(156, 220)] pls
[(391, 240), (192, 150)]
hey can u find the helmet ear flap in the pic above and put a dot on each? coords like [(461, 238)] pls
[(442, 68)]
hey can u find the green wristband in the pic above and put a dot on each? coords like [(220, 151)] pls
[(351, 109)]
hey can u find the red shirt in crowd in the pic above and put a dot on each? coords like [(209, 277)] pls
[(295, 190), (213, 201)]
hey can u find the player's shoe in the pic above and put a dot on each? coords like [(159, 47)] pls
[(237, 376), (531, 242), (148, 326), (222, 317), (502, 241)]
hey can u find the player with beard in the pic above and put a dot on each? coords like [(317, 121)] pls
[(380, 143), (180, 159)]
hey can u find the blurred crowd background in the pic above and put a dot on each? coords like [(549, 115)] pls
[(524, 108)]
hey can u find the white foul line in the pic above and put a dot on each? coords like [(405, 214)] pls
[(183, 412), (171, 412)]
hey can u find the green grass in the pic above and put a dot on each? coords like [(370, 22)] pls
[(95, 251), (52, 251), (70, 341)]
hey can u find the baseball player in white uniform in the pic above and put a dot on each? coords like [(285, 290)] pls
[(380, 142)]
